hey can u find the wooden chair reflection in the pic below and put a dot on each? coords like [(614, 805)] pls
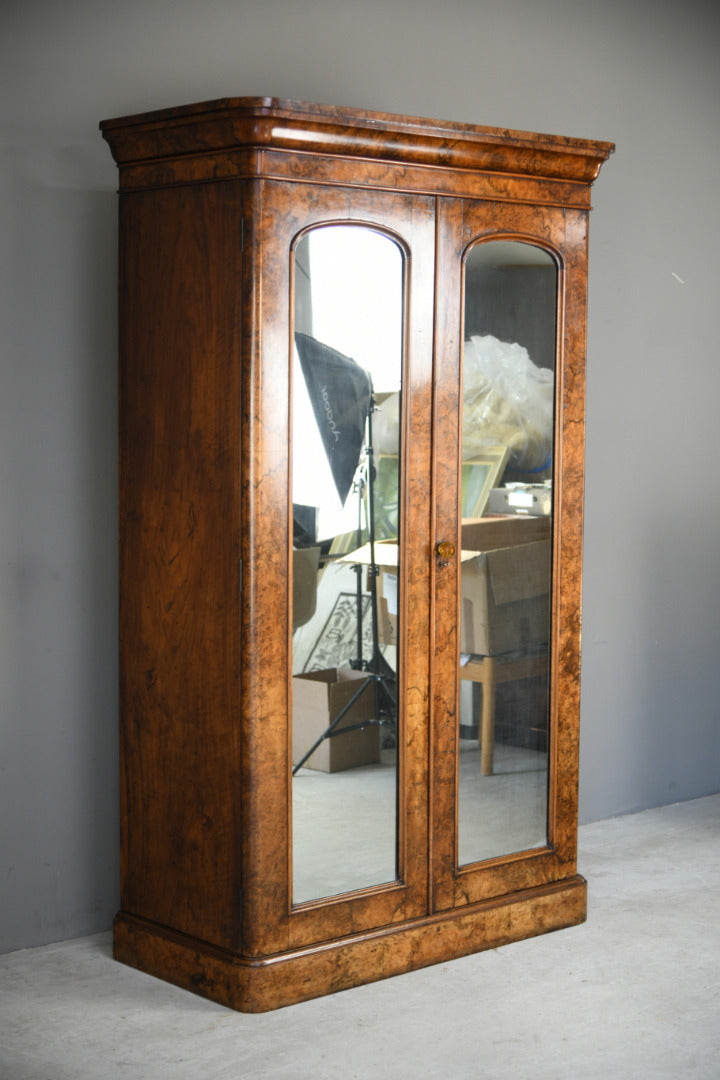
[(489, 672)]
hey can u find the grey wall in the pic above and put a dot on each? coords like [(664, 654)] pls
[(644, 75)]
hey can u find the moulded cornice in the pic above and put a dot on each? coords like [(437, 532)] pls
[(258, 123)]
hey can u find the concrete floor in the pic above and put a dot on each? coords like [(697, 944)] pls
[(634, 994)]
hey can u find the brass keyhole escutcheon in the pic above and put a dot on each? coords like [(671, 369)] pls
[(445, 551)]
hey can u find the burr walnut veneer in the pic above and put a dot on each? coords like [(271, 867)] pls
[(214, 202)]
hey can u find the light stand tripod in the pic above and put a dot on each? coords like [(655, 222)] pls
[(380, 675)]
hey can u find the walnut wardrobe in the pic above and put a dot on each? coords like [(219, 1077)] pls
[(352, 353)]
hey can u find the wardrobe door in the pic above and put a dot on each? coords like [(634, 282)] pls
[(336, 583), (508, 449)]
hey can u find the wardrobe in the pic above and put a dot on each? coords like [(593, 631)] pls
[(352, 353)]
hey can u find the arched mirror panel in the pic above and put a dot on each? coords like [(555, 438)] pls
[(509, 362), (346, 484)]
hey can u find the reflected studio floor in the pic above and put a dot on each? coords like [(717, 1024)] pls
[(344, 822), (343, 829), (505, 812)]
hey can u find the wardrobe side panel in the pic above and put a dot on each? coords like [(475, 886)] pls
[(180, 336)]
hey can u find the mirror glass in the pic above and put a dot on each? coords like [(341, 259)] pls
[(346, 392), (507, 467)]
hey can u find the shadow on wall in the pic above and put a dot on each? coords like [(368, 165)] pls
[(58, 550), (651, 714)]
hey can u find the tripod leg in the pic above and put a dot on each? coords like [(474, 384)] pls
[(330, 730)]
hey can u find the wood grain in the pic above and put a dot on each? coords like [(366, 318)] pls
[(181, 328)]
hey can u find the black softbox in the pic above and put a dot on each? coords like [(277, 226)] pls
[(340, 392)]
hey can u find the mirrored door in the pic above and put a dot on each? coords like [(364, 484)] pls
[(338, 568), (503, 357)]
